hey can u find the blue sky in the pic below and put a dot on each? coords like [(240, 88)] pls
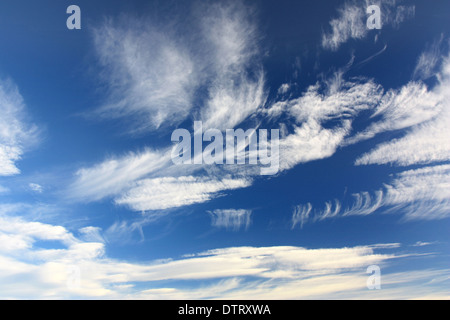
[(93, 207)]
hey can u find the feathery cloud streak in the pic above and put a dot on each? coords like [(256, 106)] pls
[(16, 133), (351, 20)]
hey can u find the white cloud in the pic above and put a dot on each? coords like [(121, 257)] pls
[(125, 231), (310, 142), (111, 177), (284, 88), (91, 234), (429, 60), (35, 187), (20, 234), (350, 24), (16, 134), (8, 157), (422, 244), (150, 74), (427, 141), (412, 104), (234, 92), (351, 20), (301, 215), (171, 192), (230, 218), (364, 204), (424, 144), (232, 101), (419, 194), (416, 285), (337, 100), (422, 193)]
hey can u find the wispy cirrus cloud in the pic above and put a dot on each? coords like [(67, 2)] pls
[(419, 194), (36, 187), (149, 73), (237, 82), (111, 177), (429, 61), (351, 19), (334, 100), (91, 234), (424, 144), (171, 192), (422, 244), (232, 219), (16, 132), (301, 215), (403, 108), (349, 24), (309, 142), (422, 193), (428, 112)]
